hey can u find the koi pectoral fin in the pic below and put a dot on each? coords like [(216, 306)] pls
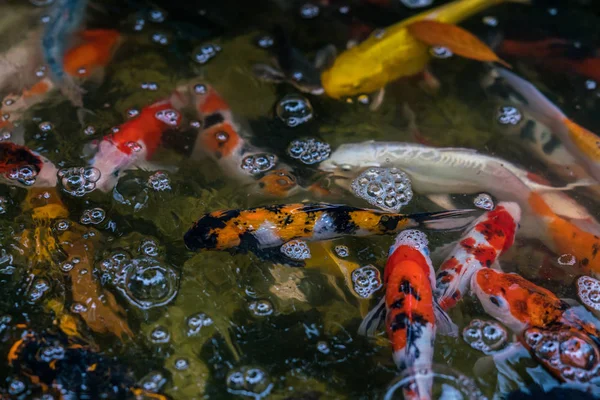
[(454, 38), (373, 319), (445, 220), (267, 73), (443, 322)]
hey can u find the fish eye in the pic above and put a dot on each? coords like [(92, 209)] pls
[(495, 301)]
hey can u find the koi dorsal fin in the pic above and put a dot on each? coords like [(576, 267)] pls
[(454, 38)]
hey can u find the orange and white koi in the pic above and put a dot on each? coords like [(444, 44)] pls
[(271, 226), (21, 166), (412, 314), (580, 142), (491, 235), (136, 140)]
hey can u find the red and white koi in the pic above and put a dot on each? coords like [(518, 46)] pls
[(412, 314), (491, 235)]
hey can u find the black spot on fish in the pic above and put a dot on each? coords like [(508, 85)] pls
[(213, 119), (406, 288), (275, 208), (202, 234), (552, 144), (595, 248), (397, 304), (342, 222), (585, 262), (494, 300), (388, 223), (528, 131)]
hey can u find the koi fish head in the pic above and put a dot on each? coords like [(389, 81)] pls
[(515, 301), (277, 183), (410, 245)]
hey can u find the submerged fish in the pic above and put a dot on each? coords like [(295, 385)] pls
[(412, 314), (21, 166), (135, 141), (492, 234), (401, 51), (65, 18), (580, 142), (271, 226)]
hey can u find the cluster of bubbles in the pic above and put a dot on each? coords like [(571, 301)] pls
[(39, 287), (160, 38), (484, 201), (196, 322), (417, 3), (206, 52), (92, 216), (485, 336), (309, 11), (588, 291), (342, 251), (78, 181), (153, 381), (149, 247), (51, 351), (490, 20), (366, 281), (151, 86), (159, 182), (160, 335), (508, 115), (387, 188), (294, 110), (412, 238), (567, 352), (265, 41), (296, 250), (258, 163), (309, 150), (45, 126), (261, 308), (146, 282), (67, 266), (25, 174), (89, 130), (249, 381), (16, 387), (440, 52), (168, 116)]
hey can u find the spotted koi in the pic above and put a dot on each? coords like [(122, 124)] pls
[(271, 226), (491, 235)]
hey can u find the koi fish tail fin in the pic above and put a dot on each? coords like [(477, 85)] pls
[(373, 319), (539, 187), (444, 220), (72, 91), (443, 322)]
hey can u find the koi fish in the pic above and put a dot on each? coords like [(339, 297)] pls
[(21, 166), (492, 234), (270, 226), (65, 18), (556, 55), (403, 49), (136, 141), (412, 314), (293, 67), (580, 142), (85, 60)]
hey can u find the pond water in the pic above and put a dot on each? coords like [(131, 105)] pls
[(123, 123)]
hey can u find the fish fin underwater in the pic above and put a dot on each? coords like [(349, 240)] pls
[(444, 324), (445, 220), (373, 320)]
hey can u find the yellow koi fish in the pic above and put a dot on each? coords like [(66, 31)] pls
[(403, 49)]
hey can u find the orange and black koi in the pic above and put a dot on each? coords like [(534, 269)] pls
[(492, 233), (271, 226)]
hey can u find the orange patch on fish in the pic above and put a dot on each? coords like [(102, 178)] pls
[(40, 87), (586, 141), (454, 38), (277, 183), (212, 103), (96, 51), (220, 139)]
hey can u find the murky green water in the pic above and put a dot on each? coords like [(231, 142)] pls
[(219, 325)]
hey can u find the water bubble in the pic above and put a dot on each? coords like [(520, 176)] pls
[(153, 382), (89, 130), (196, 322), (590, 84), (416, 3), (181, 364), (484, 201), (148, 283), (261, 308), (413, 238), (113, 268), (159, 181), (78, 181), (39, 287), (588, 291), (366, 281), (62, 224), (344, 10), (323, 347), (296, 250), (490, 21), (309, 11), (294, 110), (152, 86), (78, 308), (387, 188), (92, 216), (3, 205), (249, 381), (44, 19), (53, 351), (342, 251), (508, 115), (168, 116), (25, 175), (149, 247), (5, 136), (160, 335), (16, 387), (486, 336), (131, 191), (265, 41), (569, 353), (258, 163), (5, 322), (45, 126), (139, 24), (440, 52), (205, 53), (447, 384), (567, 260), (132, 112), (553, 11), (309, 150), (157, 15), (200, 88)]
